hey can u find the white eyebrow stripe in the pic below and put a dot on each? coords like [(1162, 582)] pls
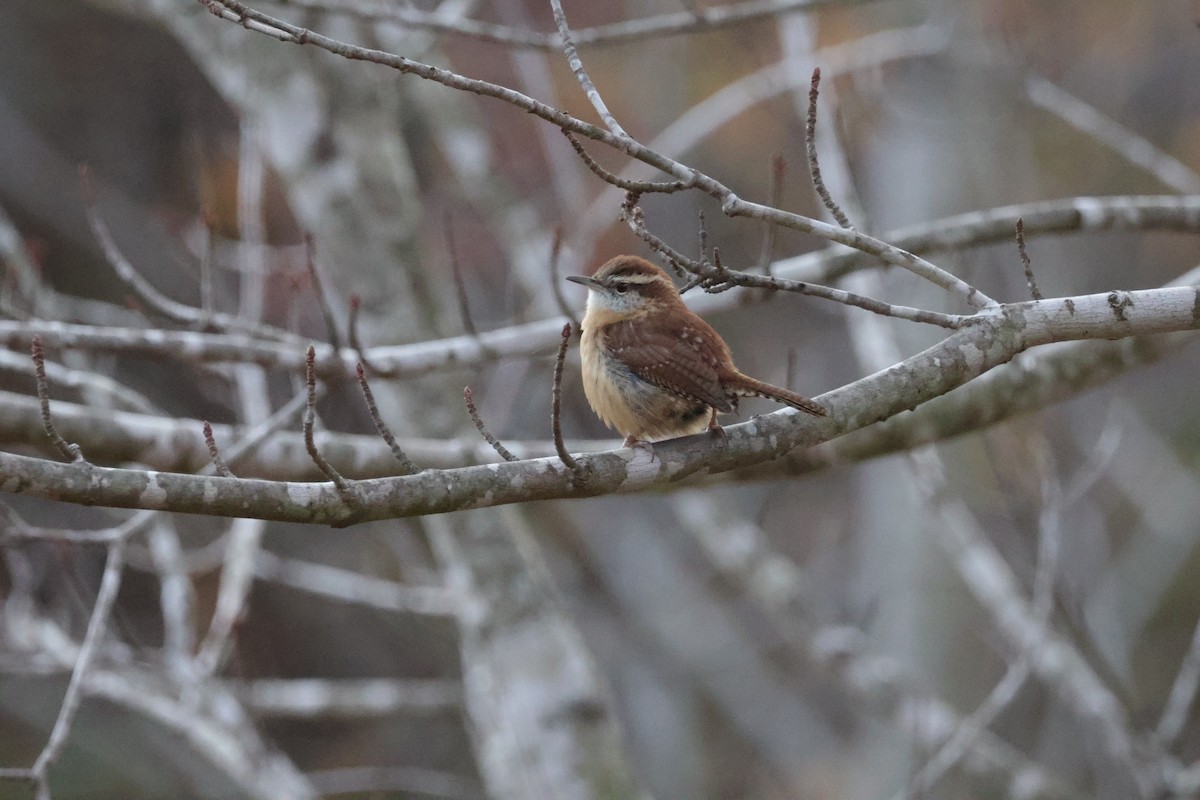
[(635, 277)]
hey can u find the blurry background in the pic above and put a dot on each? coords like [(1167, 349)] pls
[(788, 638)]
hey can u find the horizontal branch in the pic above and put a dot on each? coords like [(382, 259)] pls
[(173, 444), (407, 360), (1032, 382), (973, 229), (1045, 376), (702, 20), (324, 698), (993, 338)]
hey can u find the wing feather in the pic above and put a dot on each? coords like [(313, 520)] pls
[(683, 359)]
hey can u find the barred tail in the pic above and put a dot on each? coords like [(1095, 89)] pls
[(749, 387)]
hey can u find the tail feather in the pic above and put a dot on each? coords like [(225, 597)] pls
[(750, 387)]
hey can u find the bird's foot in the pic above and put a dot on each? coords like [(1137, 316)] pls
[(638, 444)]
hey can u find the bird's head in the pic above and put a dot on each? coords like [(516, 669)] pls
[(628, 286)]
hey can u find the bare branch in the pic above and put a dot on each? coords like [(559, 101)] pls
[(810, 144), (673, 24), (176, 597), (265, 450), (460, 286), (740, 554), (355, 588), (954, 751), (1025, 262), (1175, 712), (209, 221), (152, 297), (731, 205), (483, 431), (242, 544), (254, 436), (385, 432), (716, 278), (1130, 145), (556, 403), (766, 255), (555, 284), (68, 451), (585, 80), (641, 187), (992, 339), (158, 302), (215, 453), (314, 274), (110, 584), (310, 414), (19, 529), (1076, 214), (320, 698), (352, 333)]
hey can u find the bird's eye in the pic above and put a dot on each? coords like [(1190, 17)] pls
[(620, 288)]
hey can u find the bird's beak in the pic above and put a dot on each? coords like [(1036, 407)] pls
[(584, 280)]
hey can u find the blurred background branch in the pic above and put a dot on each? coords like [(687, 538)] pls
[(990, 595)]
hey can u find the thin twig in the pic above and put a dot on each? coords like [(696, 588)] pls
[(142, 288), (208, 223), (766, 255), (460, 285), (720, 281), (318, 285), (253, 437), (18, 529), (581, 75), (732, 205), (310, 414), (1075, 214), (215, 453), (556, 405), (242, 543), (352, 333), (1175, 713), (1002, 695), (355, 588), (676, 23), (714, 279), (1025, 262), (683, 265), (384, 431), (642, 187), (176, 598), (68, 450), (949, 321), (483, 431), (555, 284), (1125, 142), (145, 291), (110, 584), (814, 166)]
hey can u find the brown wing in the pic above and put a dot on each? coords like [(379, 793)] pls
[(683, 359)]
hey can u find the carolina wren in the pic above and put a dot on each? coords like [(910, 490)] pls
[(652, 368)]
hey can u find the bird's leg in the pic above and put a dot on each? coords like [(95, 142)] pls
[(714, 428)]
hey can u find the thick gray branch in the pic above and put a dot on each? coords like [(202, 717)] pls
[(993, 339)]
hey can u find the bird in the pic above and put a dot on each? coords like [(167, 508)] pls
[(652, 368)]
